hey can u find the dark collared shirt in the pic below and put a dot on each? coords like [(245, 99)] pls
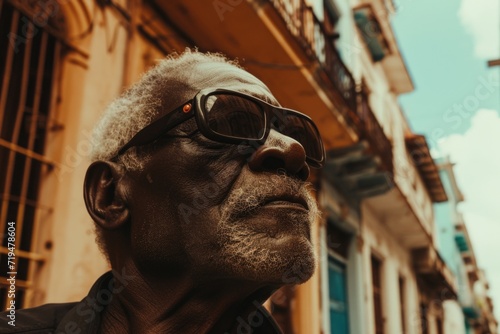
[(84, 317)]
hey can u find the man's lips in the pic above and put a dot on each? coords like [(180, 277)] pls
[(285, 200)]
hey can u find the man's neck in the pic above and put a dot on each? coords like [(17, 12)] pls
[(178, 305)]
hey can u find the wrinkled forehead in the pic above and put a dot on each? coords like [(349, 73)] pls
[(175, 91), (219, 75)]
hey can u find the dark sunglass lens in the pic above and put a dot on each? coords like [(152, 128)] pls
[(302, 130), (235, 116)]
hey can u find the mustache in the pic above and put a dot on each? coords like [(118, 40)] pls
[(243, 200)]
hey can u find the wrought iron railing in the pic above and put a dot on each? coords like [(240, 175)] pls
[(317, 43), (370, 130), (302, 23)]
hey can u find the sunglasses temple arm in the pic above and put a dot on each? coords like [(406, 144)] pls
[(154, 130)]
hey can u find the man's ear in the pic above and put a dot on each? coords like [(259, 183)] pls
[(104, 197)]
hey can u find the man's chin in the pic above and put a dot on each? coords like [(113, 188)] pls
[(271, 249), (300, 264), (287, 260)]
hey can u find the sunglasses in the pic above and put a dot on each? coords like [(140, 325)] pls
[(232, 117)]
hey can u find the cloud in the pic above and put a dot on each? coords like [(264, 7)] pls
[(477, 171), (481, 18)]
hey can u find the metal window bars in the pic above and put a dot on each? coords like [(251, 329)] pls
[(28, 60)]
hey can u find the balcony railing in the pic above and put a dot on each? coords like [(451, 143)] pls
[(421, 156), (309, 31), (302, 23), (432, 269), (370, 130)]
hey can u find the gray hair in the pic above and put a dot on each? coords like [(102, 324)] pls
[(138, 106)]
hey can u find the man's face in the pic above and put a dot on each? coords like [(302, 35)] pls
[(219, 210)]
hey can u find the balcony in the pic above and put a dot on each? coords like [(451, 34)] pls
[(371, 131), (431, 268), (303, 23), (363, 170), (375, 30), (318, 44), (284, 44), (428, 170)]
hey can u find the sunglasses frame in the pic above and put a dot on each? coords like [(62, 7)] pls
[(191, 108)]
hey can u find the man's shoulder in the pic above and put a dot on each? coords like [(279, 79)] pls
[(41, 319)]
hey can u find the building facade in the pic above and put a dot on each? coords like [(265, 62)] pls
[(472, 311), (336, 60)]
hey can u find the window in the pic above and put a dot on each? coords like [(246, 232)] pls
[(338, 241), (377, 295), (371, 31), (339, 315), (27, 58), (338, 248), (402, 302)]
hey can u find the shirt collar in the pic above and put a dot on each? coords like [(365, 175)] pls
[(86, 316)]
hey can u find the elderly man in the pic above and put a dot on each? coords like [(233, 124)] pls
[(198, 192)]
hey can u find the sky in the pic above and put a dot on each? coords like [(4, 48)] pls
[(456, 103)]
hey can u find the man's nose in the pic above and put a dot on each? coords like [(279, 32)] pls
[(280, 152)]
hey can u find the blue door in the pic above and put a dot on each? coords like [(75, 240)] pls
[(339, 316)]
